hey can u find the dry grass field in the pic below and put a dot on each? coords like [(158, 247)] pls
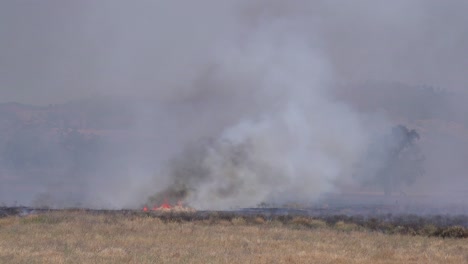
[(78, 237)]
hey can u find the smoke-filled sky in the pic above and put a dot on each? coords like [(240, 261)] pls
[(52, 51), (254, 79)]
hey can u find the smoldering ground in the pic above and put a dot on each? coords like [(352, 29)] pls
[(233, 103)]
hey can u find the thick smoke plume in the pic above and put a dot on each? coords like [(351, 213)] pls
[(294, 143), (227, 103)]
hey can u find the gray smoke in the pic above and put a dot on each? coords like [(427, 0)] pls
[(233, 103)]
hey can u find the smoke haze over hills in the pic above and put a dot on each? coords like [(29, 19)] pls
[(236, 102)]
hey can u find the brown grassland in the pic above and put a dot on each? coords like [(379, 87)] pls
[(80, 237)]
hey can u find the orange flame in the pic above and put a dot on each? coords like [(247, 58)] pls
[(164, 205)]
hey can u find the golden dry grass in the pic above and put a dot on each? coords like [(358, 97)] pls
[(76, 237)]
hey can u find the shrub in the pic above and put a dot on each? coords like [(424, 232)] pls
[(308, 222), (238, 221), (347, 227), (454, 232), (259, 220), (428, 230)]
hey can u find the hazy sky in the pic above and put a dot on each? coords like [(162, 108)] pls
[(52, 51)]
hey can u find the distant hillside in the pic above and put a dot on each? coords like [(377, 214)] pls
[(85, 114), (414, 103), (439, 116), (65, 139), (434, 112), (61, 145)]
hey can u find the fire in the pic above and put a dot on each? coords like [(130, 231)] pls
[(165, 206)]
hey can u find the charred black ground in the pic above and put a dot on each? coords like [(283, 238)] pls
[(408, 218)]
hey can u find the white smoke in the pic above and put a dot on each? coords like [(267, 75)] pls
[(297, 142), (251, 78)]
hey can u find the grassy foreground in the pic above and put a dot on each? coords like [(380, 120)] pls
[(77, 237)]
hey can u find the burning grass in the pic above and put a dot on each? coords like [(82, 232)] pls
[(87, 237)]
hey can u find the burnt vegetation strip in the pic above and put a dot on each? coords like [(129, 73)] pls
[(446, 226)]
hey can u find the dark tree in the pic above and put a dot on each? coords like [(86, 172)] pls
[(394, 160), (404, 160)]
